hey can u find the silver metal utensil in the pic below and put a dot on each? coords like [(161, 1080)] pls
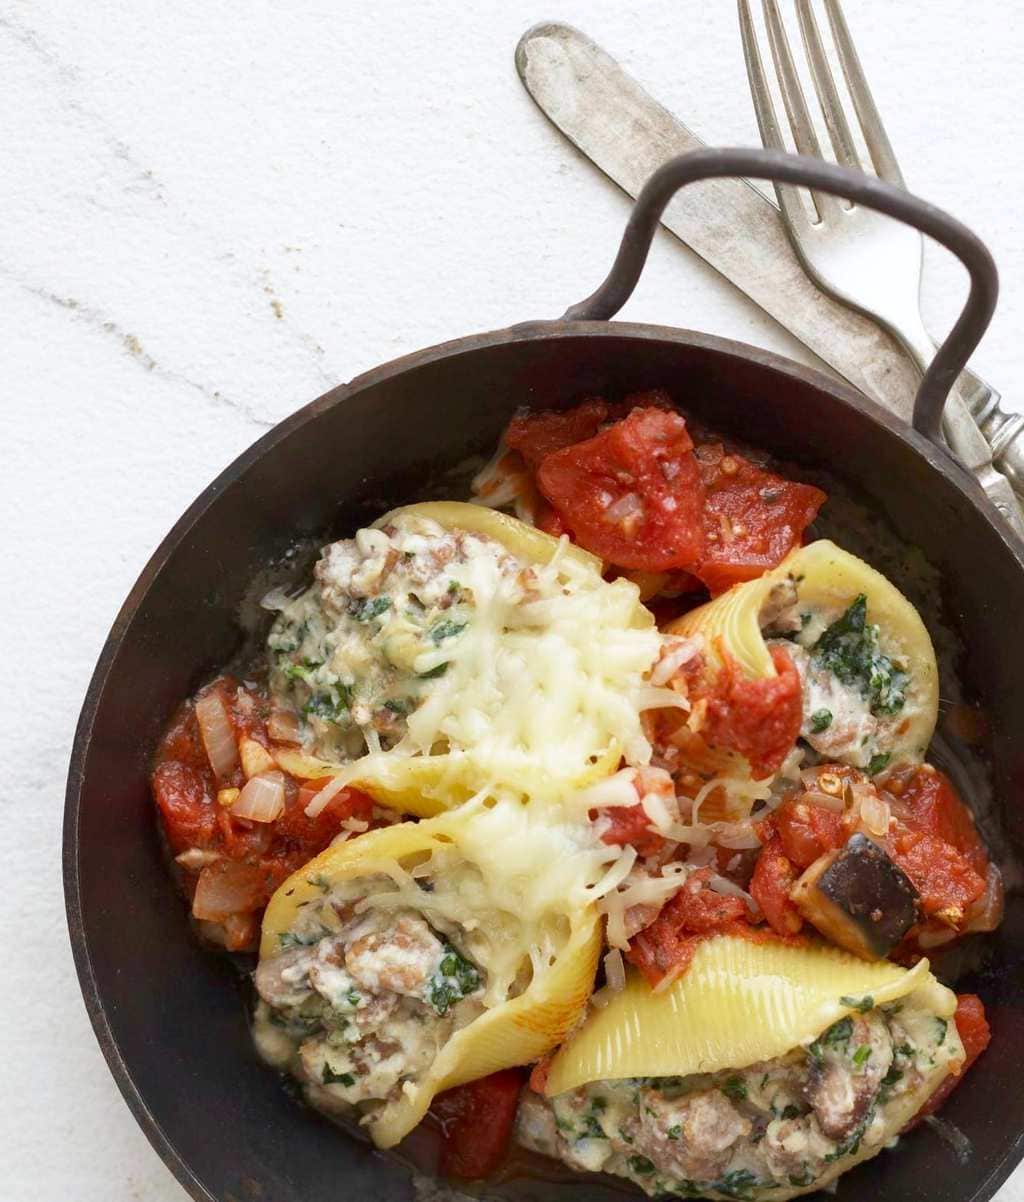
[(624, 131), (855, 255)]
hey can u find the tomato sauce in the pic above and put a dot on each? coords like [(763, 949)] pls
[(239, 861)]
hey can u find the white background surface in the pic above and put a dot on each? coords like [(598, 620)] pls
[(212, 212)]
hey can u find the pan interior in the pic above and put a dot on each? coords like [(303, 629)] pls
[(171, 1017)]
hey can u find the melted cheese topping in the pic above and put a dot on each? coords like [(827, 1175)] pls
[(544, 682)]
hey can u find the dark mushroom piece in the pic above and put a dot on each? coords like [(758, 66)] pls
[(858, 898)]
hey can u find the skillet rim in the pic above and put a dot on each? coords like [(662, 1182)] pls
[(935, 456)]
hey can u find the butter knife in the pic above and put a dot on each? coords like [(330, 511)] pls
[(619, 126)]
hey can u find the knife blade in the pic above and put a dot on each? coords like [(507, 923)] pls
[(624, 131)]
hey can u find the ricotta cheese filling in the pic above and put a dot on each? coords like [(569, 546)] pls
[(356, 653), (779, 1125), (360, 1001), (855, 696)]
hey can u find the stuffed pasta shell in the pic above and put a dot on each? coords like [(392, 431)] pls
[(419, 956), (765, 1072), (868, 680), (451, 648)]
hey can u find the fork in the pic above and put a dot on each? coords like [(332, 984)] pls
[(861, 258)]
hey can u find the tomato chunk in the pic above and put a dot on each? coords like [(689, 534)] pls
[(537, 435), (929, 803), (632, 494), (760, 719), (666, 947), (807, 832), (973, 1029), (774, 876), (319, 831), (630, 824), (752, 517), (477, 1120), (186, 807), (944, 878)]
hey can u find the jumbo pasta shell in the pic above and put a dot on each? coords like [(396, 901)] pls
[(829, 578), (540, 698), (741, 1001), (527, 889)]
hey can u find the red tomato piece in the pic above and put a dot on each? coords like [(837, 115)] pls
[(548, 519), (774, 876), (807, 831), (752, 518), (944, 878), (476, 1120), (630, 824), (189, 812), (760, 719), (973, 1029), (666, 947), (929, 803), (319, 831), (537, 435), (633, 493)]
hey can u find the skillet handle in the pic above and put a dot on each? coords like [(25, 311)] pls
[(774, 165)]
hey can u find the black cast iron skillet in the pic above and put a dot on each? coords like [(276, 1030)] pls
[(168, 1015)]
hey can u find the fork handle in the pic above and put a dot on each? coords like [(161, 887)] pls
[(1003, 432), (951, 357)]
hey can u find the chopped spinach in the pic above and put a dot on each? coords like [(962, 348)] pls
[(455, 979), (801, 1179), (401, 706), (943, 1027), (445, 630), (369, 608), (289, 939), (434, 672), (862, 1055), (838, 1033), (301, 671), (674, 1131), (878, 762), (820, 720), (736, 1184), (331, 707), (592, 1129), (330, 1077), (735, 1088), (849, 649), (861, 1004), (641, 1166), (790, 1112)]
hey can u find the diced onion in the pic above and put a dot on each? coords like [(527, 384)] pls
[(615, 971), (284, 727), (625, 509), (825, 801), (197, 857), (218, 735), (262, 799), (696, 836), (735, 835), (225, 888), (657, 699), (874, 812), (678, 652), (727, 888)]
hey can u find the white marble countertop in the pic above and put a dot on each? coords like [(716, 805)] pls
[(213, 212)]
